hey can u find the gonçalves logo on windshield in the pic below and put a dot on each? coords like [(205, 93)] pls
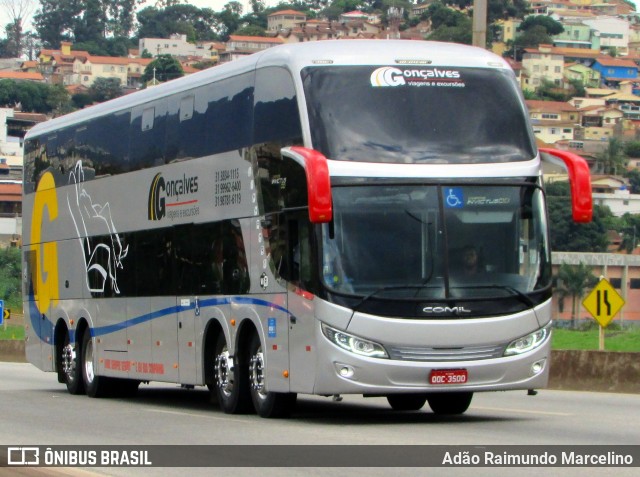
[(389, 76), (445, 310)]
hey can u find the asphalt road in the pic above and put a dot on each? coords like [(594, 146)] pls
[(36, 410)]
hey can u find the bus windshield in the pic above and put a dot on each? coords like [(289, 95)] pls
[(437, 242), (407, 115)]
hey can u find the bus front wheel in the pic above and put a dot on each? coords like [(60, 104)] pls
[(450, 403), (267, 404), (406, 402)]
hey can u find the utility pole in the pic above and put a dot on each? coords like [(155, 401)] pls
[(479, 37)]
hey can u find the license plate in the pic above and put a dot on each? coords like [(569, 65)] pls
[(448, 376)]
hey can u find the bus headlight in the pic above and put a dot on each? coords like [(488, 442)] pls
[(528, 342), (353, 343)]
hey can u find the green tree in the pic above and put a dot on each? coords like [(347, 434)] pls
[(251, 30), (198, 24), (34, 97), (613, 159), (632, 148), (551, 26), (573, 281), (533, 37), (163, 68), (104, 89), (10, 276), (569, 236), (88, 20), (54, 21), (18, 12), (634, 180)]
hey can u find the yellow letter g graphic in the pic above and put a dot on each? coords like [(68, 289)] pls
[(46, 254)]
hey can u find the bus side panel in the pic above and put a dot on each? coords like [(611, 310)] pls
[(270, 318), (302, 342), (164, 339), (111, 338), (139, 341)]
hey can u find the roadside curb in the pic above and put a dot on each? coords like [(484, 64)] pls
[(605, 371)]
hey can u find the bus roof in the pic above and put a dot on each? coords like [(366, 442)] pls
[(295, 57)]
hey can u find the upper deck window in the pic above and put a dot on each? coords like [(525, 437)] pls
[(416, 114)]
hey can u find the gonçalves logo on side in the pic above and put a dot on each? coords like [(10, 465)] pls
[(451, 310)]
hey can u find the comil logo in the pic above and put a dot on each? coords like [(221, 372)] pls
[(157, 207), (387, 76)]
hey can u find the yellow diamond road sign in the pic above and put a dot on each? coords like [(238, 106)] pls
[(603, 302)]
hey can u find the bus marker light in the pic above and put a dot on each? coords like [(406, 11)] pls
[(175, 365), (71, 322), (275, 347), (308, 348), (233, 322), (285, 373)]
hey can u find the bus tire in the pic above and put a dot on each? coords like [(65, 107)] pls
[(267, 404), (406, 402), (95, 386), (450, 403), (70, 365), (231, 383)]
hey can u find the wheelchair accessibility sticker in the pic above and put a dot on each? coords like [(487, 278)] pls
[(453, 198)]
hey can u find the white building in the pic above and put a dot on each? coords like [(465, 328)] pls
[(613, 32), (620, 201), (175, 45)]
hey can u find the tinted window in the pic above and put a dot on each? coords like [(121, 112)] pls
[(463, 116), (276, 107), (147, 135)]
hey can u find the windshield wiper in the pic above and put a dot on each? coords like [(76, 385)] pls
[(514, 292), (384, 289)]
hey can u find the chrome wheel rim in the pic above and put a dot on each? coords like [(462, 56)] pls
[(88, 362), (256, 373), (224, 372)]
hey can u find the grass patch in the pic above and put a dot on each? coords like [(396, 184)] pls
[(614, 340), (13, 332)]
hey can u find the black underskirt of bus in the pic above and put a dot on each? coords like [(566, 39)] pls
[(440, 309)]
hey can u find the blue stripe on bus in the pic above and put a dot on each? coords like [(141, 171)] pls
[(44, 328)]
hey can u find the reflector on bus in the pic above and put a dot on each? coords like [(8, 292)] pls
[(579, 178), (318, 182)]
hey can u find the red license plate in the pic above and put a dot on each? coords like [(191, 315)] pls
[(448, 376)]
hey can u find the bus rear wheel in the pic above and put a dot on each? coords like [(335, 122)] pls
[(70, 363), (406, 402), (231, 383), (267, 404), (450, 403), (95, 386)]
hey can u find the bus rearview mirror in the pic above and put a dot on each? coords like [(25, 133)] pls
[(579, 180), (318, 181)]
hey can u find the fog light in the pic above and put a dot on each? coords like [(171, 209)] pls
[(346, 371), (537, 367)]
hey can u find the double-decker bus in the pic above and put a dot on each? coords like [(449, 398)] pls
[(339, 217)]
